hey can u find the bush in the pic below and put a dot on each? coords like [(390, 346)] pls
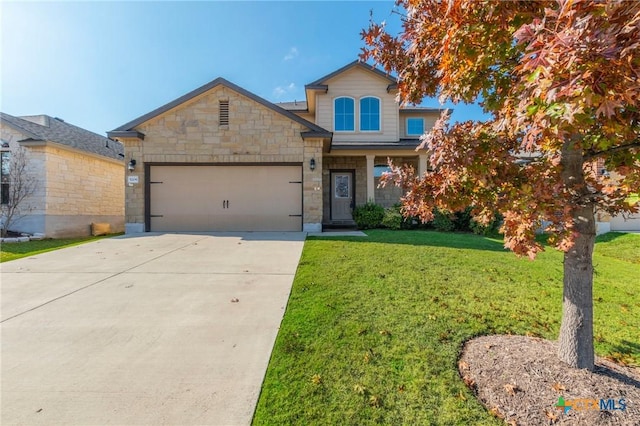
[(489, 229), (442, 222), (392, 218), (368, 216), (462, 220)]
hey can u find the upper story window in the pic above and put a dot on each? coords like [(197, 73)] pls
[(415, 126), (344, 114), (370, 114)]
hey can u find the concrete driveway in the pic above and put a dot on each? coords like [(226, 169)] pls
[(152, 329)]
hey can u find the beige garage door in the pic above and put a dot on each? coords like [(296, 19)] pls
[(225, 198)]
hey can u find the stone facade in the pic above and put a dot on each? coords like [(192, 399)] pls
[(191, 133), (74, 189), (390, 194)]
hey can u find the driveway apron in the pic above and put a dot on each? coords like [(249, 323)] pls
[(149, 329)]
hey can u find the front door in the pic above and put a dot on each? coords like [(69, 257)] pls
[(341, 196)]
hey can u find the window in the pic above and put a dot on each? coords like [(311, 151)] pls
[(380, 169), (415, 126), (4, 176), (370, 114), (344, 114)]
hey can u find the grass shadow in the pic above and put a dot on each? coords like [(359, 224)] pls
[(609, 236)]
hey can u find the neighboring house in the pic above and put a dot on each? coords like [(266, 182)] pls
[(223, 159), (604, 221), (79, 176)]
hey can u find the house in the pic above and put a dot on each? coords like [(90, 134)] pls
[(78, 176), (223, 159)]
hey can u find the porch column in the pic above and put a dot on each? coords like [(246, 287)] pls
[(371, 187), (422, 164)]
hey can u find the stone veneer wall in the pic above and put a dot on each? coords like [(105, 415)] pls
[(191, 133), (73, 189), (390, 194), (82, 189)]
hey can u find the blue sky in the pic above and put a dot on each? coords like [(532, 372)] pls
[(101, 64)]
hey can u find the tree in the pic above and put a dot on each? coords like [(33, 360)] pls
[(17, 186), (561, 82)]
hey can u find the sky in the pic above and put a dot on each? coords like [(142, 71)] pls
[(99, 65)]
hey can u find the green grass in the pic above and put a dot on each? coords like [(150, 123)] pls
[(374, 326), (13, 251)]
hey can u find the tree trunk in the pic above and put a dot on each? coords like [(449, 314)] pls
[(576, 331)]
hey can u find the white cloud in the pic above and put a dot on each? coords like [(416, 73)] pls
[(293, 52), (280, 91)]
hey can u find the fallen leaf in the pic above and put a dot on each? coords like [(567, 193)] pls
[(463, 365), (551, 415), (316, 379), (495, 411), (469, 382), (359, 389), (511, 389)]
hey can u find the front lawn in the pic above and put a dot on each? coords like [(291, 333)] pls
[(374, 325), (13, 251)]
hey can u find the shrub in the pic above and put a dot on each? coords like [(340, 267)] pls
[(368, 216), (489, 229), (392, 218), (442, 221)]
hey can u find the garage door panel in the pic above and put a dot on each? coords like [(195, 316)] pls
[(226, 198)]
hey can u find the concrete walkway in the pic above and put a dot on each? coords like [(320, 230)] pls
[(153, 329)]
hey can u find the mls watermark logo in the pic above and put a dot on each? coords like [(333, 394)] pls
[(584, 404)]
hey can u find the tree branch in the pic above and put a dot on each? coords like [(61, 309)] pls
[(592, 155)]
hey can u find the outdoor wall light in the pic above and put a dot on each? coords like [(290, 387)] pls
[(312, 164), (132, 165)]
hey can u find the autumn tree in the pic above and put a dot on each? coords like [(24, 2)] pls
[(560, 81)]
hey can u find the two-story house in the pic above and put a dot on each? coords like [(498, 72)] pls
[(223, 159)]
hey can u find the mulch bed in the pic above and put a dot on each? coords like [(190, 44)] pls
[(520, 379)]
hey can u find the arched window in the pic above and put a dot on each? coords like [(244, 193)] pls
[(370, 114), (344, 114)]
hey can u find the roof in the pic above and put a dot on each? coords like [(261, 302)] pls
[(293, 106), (128, 127), (46, 128), (320, 83), (414, 109), (401, 144)]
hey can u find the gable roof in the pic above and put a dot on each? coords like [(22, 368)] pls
[(320, 83), (315, 131), (56, 130)]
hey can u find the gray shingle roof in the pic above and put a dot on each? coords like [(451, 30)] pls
[(55, 130), (293, 105)]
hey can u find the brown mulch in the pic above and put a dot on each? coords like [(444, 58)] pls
[(520, 380)]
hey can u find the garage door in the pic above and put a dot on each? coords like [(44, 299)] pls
[(225, 198)]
